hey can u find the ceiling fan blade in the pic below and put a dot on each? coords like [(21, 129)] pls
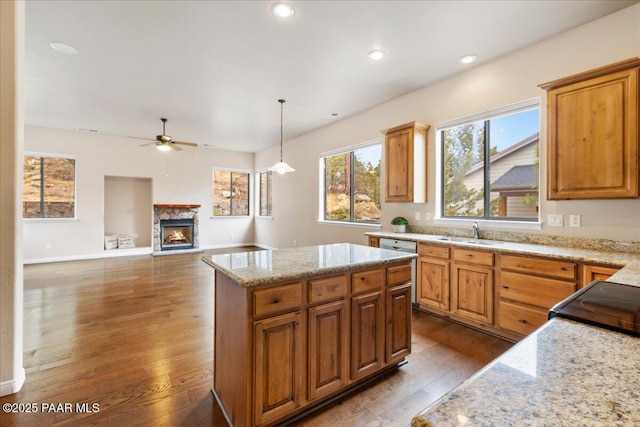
[(190, 144), (149, 143), (175, 147), (144, 139)]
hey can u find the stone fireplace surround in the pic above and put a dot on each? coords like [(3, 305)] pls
[(164, 212)]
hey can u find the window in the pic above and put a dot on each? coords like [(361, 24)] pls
[(49, 186), (230, 193), (351, 185), (490, 164), (265, 184)]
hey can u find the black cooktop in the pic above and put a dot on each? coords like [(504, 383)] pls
[(608, 305)]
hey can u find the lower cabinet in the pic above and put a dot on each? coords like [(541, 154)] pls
[(596, 272), (432, 289), (472, 285), (399, 323), (367, 334), (328, 348), (278, 366)]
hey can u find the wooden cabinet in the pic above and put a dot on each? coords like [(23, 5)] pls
[(278, 367), (528, 288), (328, 348), (374, 242), (405, 159), (596, 272), (398, 306), (432, 289), (593, 133), (367, 334), (472, 285)]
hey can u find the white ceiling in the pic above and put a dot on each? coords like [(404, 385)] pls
[(216, 69)]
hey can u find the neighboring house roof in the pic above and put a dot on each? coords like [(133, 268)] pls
[(522, 177), (515, 147)]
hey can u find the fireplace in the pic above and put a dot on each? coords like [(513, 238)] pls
[(175, 229), (176, 234)]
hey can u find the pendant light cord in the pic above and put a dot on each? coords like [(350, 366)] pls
[(281, 101)]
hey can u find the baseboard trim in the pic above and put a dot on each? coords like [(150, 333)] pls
[(14, 385)]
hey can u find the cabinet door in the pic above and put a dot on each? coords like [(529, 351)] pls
[(399, 165), (328, 348), (593, 138), (596, 272), (367, 334), (374, 242), (433, 283), (277, 367), (472, 292), (398, 323)]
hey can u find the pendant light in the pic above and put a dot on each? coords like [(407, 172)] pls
[(281, 167)]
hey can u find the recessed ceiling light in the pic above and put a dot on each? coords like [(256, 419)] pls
[(377, 55), (282, 9), (64, 48), (468, 59)]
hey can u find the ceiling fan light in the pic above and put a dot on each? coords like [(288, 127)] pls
[(281, 168), (163, 147)]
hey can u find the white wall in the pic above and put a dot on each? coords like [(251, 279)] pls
[(183, 177), (128, 208), (510, 79), (12, 373)]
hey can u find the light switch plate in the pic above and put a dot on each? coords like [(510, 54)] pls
[(554, 220)]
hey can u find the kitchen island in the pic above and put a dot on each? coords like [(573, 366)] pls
[(296, 328)]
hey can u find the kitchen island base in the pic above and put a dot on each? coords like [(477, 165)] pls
[(283, 348)]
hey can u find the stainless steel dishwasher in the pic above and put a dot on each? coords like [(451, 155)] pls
[(404, 246)]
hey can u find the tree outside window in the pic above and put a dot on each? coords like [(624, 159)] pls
[(49, 187), (265, 184), (352, 185), (490, 167), (230, 193)]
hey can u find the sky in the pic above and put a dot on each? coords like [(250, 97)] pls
[(508, 130)]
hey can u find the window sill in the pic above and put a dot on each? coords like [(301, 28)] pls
[(492, 224), (263, 217), (232, 217), (350, 224)]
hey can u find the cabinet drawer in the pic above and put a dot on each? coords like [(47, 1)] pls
[(520, 319), (433, 251), (327, 289), (399, 275), (273, 300), (473, 257), (538, 291), (366, 280), (545, 267)]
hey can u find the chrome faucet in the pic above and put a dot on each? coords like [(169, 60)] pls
[(476, 230)]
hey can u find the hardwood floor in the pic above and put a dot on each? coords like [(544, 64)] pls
[(134, 336)]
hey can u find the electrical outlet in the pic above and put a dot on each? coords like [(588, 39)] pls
[(230, 236), (47, 246), (295, 243), (554, 220), (417, 216), (427, 216), (575, 221)]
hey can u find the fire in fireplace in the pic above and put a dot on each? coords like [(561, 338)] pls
[(176, 234)]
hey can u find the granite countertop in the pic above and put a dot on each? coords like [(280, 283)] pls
[(565, 373), (629, 274), (279, 265)]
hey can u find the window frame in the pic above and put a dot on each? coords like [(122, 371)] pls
[(269, 175), (322, 194), (529, 223), (42, 156), (249, 190)]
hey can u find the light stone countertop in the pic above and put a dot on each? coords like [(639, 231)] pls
[(629, 274), (279, 265), (564, 374)]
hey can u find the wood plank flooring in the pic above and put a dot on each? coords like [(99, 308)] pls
[(134, 335)]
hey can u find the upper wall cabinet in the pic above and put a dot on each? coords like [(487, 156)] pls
[(405, 155), (593, 133)]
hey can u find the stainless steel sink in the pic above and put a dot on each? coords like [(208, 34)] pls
[(472, 242)]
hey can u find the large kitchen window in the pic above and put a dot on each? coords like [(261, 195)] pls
[(350, 186), (49, 186), (490, 164), (265, 185), (230, 193)]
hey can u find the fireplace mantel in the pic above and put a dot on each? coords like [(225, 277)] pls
[(176, 206)]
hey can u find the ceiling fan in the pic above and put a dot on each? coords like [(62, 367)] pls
[(165, 143)]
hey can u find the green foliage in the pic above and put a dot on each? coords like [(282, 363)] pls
[(462, 148), (399, 221)]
